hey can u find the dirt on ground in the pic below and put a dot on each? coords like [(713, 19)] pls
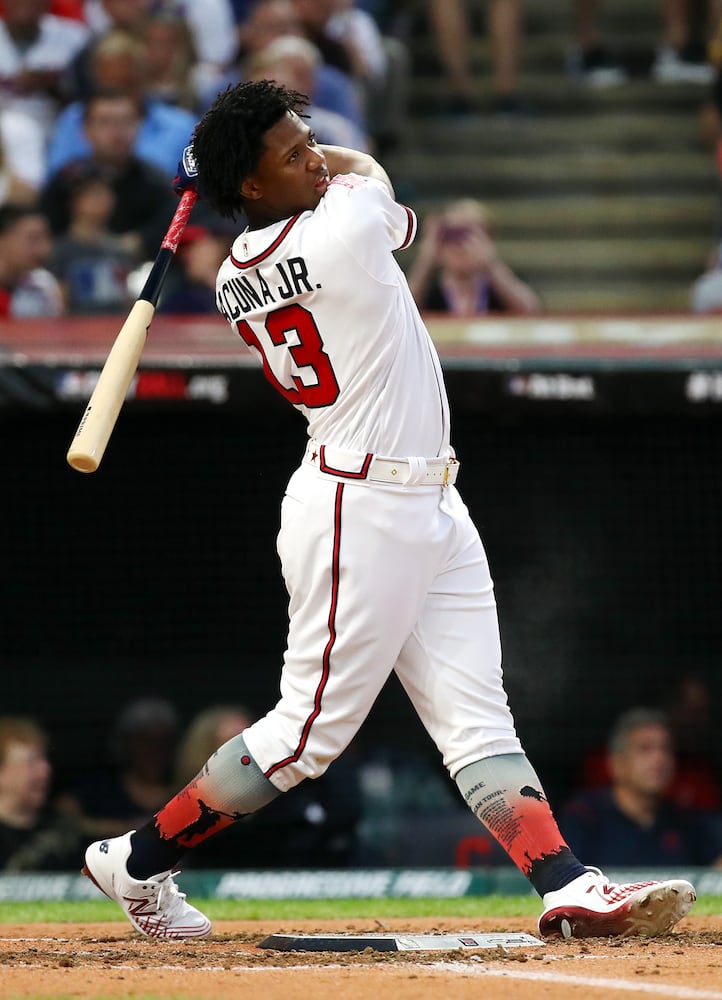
[(110, 960)]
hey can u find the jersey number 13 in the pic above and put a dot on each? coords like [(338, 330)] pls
[(295, 327)]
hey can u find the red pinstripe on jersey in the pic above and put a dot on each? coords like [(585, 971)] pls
[(326, 661), (254, 261)]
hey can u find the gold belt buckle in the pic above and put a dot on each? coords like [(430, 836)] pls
[(446, 476)]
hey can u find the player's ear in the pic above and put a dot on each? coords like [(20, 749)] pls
[(250, 190)]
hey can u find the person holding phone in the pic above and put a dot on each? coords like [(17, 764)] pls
[(458, 269)]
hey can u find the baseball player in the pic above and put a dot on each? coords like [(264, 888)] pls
[(384, 568)]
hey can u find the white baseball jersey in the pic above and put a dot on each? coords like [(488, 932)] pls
[(382, 574), (321, 299)]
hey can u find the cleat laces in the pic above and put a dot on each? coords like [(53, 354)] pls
[(170, 899)]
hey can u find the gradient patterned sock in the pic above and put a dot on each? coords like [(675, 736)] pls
[(229, 786), (505, 793)]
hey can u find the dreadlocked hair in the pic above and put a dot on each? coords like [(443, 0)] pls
[(228, 140)]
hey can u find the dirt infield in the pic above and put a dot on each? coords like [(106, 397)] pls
[(110, 960)]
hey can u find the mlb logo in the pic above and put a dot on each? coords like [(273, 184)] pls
[(189, 162)]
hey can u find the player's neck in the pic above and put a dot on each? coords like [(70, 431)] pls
[(264, 219)]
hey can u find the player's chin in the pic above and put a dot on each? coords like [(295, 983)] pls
[(320, 188)]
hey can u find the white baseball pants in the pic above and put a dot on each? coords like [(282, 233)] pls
[(380, 578)]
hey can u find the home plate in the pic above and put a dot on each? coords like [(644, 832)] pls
[(397, 942)]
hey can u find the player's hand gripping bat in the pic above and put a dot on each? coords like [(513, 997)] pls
[(101, 413)]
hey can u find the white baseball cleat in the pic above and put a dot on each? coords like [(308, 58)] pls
[(154, 905), (591, 906)]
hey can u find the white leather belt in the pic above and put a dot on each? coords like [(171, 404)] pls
[(357, 467)]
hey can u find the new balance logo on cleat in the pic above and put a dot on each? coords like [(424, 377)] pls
[(154, 906)]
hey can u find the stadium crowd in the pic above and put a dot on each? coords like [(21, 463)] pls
[(99, 97), (650, 797)]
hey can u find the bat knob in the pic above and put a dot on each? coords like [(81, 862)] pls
[(82, 462)]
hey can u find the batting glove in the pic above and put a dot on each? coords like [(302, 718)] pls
[(187, 177)]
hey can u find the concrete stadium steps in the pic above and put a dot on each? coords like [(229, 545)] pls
[(606, 199), (622, 216), (620, 19), (561, 94), (624, 129), (602, 255), (547, 53), (578, 171), (581, 295)]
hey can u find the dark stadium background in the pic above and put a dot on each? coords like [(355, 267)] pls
[(158, 574)]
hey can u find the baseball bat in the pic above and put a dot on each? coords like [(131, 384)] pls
[(97, 423)]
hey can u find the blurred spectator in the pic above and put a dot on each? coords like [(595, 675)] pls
[(349, 39), (692, 721), (144, 201), (680, 58), (315, 17), (631, 823), (22, 158), (313, 825), (104, 15), (697, 780), (120, 62), (682, 55), (360, 35), (62, 8), (457, 268), (27, 288), (91, 263), (272, 19), (241, 9), (208, 730), (590, 59), (382, 65), (210, 22), (267, 20), (139, 779), (191, 288), (36, 51), (452, 30), (32, 837), (172, 65), (293, 62)]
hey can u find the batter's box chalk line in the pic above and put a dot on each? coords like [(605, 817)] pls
[(464, 941)]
